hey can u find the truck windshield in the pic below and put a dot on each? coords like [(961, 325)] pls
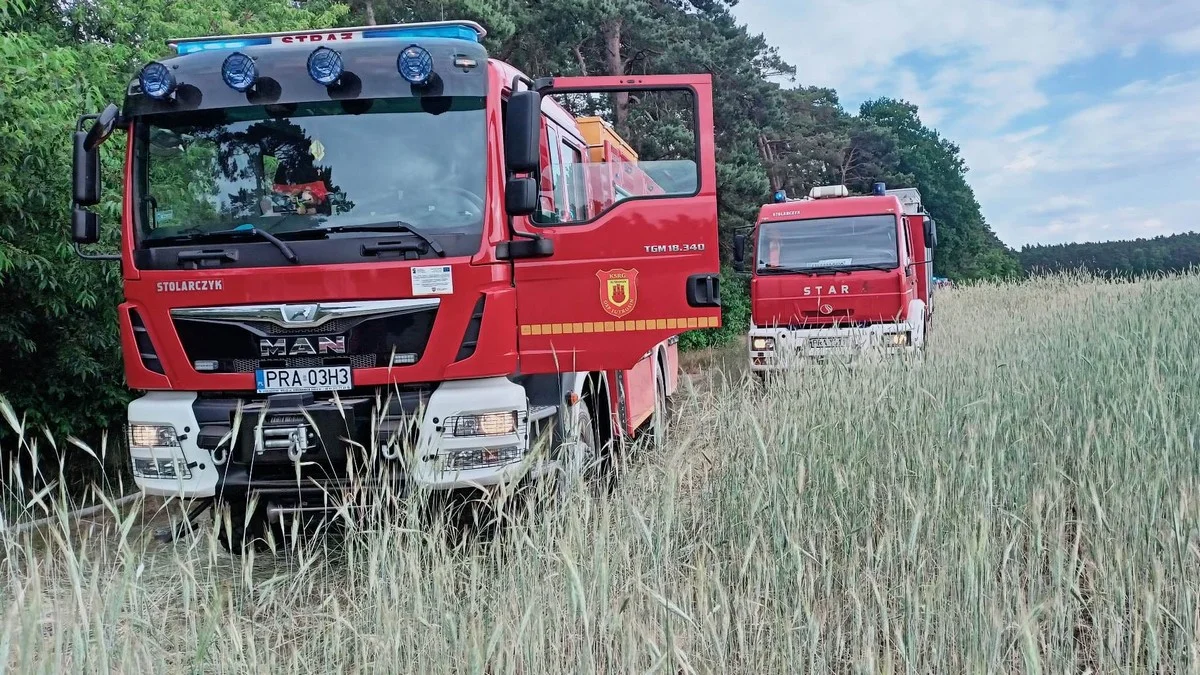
[(296, 169), (846, 242)]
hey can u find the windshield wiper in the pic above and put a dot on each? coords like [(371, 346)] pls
[(830, 269), (810, 271), (398, 226), (865, 266), (218, 235)]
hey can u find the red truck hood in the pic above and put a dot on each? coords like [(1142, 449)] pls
[(802, 300)]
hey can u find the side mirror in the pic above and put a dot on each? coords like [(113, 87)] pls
[(522, 133), (521, 196), (739, 250), (86, 158), (85, 226), (86, 172), (930, 232)]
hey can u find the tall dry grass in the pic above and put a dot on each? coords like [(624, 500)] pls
[(1026, 499)]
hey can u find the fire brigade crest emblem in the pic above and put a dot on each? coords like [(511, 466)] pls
[(618, 291)]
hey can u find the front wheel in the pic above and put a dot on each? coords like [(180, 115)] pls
[(579, 459), (662, 408), (239, 530)]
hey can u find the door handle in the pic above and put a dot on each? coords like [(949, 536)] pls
[(704, 290)]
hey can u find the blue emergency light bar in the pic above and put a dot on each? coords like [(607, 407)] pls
[(457, 30), (218, 45), (454, 31)]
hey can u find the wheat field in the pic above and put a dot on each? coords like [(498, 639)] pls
[(1024, 499)]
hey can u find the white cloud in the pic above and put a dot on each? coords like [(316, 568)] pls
[(1098, 165), (1143, 125), (1061, 204), (1101, 225), (992, 51), (1185, 40), (1121, 168)]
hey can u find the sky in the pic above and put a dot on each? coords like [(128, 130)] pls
[(1079, 120)]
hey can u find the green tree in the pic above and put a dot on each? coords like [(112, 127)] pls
[(967, 247), (1129, 258)]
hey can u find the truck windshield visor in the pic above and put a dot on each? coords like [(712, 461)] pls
[(296, 169), (849, 241)]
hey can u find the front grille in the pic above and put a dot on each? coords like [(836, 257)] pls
[(251, 365), (833, 314), (236, 345), (330, 328)]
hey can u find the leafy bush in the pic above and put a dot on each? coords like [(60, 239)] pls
[(735, 315)]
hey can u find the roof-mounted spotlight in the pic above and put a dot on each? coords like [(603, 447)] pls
[(325, 66), (157, 80), (415, 65), (239, 72)]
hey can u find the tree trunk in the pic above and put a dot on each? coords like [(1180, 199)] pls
[(767, 151), (583, 69), (848, 163), (611, 30), (369, 10)]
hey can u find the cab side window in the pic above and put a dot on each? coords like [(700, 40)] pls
[(576, 183), (552, 197), (604, 149)]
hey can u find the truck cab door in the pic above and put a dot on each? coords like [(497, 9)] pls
[(635, 256)]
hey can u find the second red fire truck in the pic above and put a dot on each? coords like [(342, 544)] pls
[(376, 247), (834, 274)]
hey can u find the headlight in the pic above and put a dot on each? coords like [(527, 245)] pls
[(762, 343), (152, 436), (487, 424), (897, 339)]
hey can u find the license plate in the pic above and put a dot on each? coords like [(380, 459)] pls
[(826, 342), (283, 380)]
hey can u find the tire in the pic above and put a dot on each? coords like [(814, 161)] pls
[(579, 458), (243, 534), (662, 408)]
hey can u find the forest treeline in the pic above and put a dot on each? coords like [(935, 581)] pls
[(59, 349), (1127, 258)]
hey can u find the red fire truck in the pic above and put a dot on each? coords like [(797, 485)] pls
[(834, 274), (376, 247)]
